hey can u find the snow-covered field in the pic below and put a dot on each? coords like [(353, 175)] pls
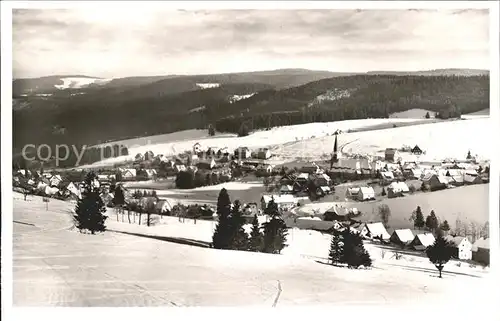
[(279, 138), (54, 266), (412, 113), (80, 82), (208, 85), (451, 139)]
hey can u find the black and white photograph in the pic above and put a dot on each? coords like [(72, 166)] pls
[(178, 156)]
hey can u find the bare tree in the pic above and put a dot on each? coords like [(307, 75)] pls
[(384, 213)]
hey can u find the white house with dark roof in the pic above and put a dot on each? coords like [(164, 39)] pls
[(366, 193), (462, 246)]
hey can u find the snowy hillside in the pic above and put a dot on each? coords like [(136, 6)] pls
[(279, 138), (81, 82), (56, 266)]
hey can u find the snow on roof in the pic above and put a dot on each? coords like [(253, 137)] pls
[(326, 177), (404, 235), (399, 186), (389, 175), (426, 239), (303, 176), (286, 187), (481, 243), (279, 198), (457, 240), (366, 190), (377, 229), (325, 188)]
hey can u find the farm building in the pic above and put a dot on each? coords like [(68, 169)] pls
[(462, 247), (196, 148), (481, 251), (351, 164), (374, 230), (366, 193), (264, 153), (302, 178), (422, 241), (323, 190), (416, 150), (251, 209), (402, 237), (391, 155), (150, 173), (434, 182), (242, 153), (396, 189)]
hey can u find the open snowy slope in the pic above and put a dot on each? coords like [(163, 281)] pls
[(54, 267), (175, 143), (441, 140)]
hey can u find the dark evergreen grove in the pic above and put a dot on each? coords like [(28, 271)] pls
[(256, 237), (275, 231), (90, 208)]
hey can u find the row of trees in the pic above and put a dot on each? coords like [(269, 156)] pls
[(229, 233), (190, 179)]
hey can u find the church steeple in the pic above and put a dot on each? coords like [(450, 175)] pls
[(335, 158)]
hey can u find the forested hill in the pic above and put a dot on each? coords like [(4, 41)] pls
[(93, 118), (355, 97)]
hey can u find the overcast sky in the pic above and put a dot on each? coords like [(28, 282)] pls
[(116, 43)]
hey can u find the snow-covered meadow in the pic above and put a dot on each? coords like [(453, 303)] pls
[(60, 267), (279, 138)]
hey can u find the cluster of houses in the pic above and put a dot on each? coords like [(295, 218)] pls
[(464, 248)]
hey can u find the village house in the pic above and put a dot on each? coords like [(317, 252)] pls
[(284, 202), (323, 190), (374, 231), (471, 178), (264, 153), (322, 180), (335, 214), (197, 148), (397, 189), (251, 209), (351, 164), (55, 180), (462, 247), (352, 193), (286, 189), (435, 182), (302, 178), (391, 155), (387, 176), (416, 150), (402, 237), (422, 241), (151, 173), (366, 193), (180, 168), (481, 251), (242, 153), (128, 173), (413, 173)]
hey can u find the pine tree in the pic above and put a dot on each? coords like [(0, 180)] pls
[(427, 115), (440, 252), (90, 208), (384, 193), (336, 249), (221, 238), (239, 238), (275, 231), (418, 222), (119, 198), (354, 253), (431, 222), (445, 227), (256, 238)]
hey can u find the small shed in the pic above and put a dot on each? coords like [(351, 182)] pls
[(481, 251)]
